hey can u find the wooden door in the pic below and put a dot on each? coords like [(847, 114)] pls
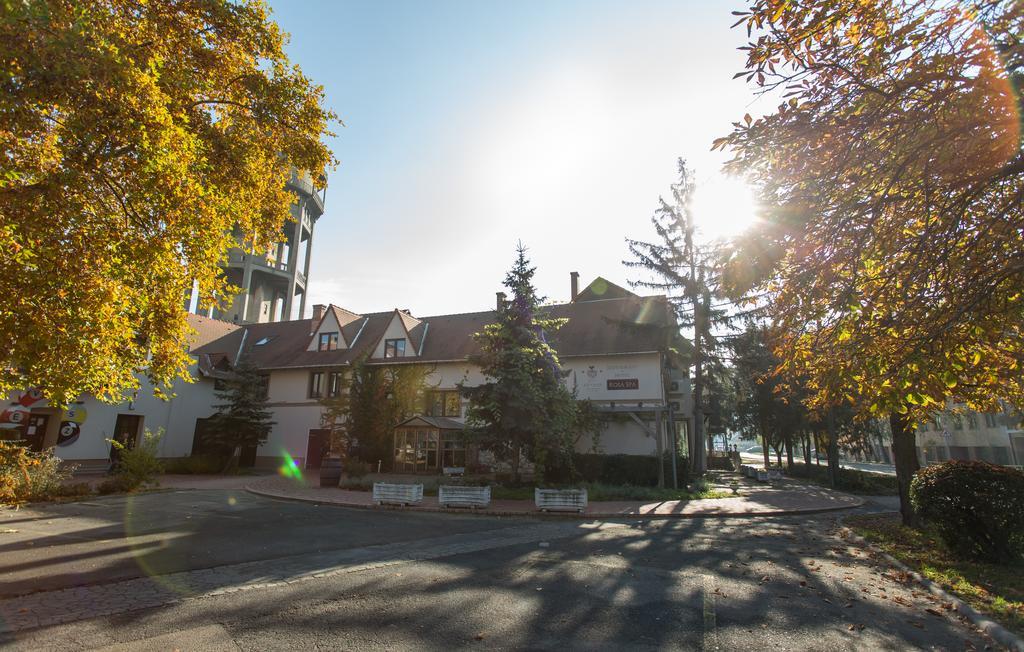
[(316, 447), (35, 431), (126, 431)]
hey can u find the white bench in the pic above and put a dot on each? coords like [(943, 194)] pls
[(572, 500), (397, 494), (449, 496)]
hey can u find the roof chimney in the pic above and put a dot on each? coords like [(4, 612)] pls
[(574, 284), (501, 300), (318, 312)]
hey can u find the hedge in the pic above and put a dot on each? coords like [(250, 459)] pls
[(977, 508)]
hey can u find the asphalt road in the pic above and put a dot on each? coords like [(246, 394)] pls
[(296, 577)]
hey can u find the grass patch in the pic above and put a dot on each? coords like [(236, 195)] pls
[(993, 589)]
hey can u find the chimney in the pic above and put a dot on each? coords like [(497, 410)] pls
[(501, 299), (318, 312), (574, 284)]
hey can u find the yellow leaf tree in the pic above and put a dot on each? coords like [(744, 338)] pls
[(893, 252), (135, 138)]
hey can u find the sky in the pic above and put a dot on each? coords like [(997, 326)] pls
[(470, 126)]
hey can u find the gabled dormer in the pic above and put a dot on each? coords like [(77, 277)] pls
[(329, 328), (402, 337)]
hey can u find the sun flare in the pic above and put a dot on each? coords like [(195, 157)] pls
[(724, 207)]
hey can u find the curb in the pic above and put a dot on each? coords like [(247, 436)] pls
[(544, 515), (999, 633)]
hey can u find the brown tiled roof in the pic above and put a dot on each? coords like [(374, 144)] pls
[(630, 324), (601, 288), (207, 330)]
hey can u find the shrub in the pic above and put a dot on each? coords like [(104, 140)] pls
[(852, 480), (26, 476), (117, 484), (138, 466), (356, 469), (195, 464), (977, 508)]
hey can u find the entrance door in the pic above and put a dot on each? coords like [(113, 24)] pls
[(35, 431), (126, 431), (316, 447)]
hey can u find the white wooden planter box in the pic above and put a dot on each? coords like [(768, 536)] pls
[(449, 496), (774, 475), (762, 475), (572, 500), (397, 494)]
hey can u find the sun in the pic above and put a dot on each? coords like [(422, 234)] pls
[(724, 207)]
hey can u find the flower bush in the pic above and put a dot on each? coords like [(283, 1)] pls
[(977, 508), (27, 476)]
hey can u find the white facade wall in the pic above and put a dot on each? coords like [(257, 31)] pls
[(176, 416), (296, 414), (394, 331)]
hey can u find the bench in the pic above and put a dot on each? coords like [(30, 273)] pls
[(397, 494), (454, 471), (571, 500), (449, 496)]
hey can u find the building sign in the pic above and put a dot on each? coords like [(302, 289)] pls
[(623, 383)]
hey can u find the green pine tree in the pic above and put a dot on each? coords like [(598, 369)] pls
[(525, 407), (243, 419)]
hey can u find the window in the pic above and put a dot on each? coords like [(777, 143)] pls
[(316, 384), (416, 449), (453, 451), (972, 420), (394, 348), (265, 385), (937, 422), (443, 404), (264, 340), (958, 422), (990, 420), (334, 383), (328, 342)]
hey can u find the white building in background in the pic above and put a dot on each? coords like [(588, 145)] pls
[(81, 433), (968, 435), (612, 346)]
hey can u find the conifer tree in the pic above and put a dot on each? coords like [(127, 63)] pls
[(524, 408), (689, 274), (243, 419)]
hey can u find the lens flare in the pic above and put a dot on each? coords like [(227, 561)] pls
[(290, 469)]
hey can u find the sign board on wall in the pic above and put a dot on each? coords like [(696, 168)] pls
[(623, 383), (618, 380)]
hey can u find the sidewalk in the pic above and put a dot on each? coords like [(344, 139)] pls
[(753, 500)]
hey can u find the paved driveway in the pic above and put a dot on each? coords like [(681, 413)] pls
[(258, 574)]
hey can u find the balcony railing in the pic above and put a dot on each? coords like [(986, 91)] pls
[(303, 183)]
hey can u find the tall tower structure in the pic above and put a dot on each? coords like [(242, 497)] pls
[(273, 282)]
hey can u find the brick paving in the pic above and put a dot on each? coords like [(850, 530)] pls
[(753, 500)]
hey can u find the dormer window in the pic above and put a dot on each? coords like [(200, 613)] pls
[(394, 348), (328, 342)]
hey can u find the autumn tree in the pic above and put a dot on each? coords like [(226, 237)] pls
[(134, 139), (524, 406), (894, 249)]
